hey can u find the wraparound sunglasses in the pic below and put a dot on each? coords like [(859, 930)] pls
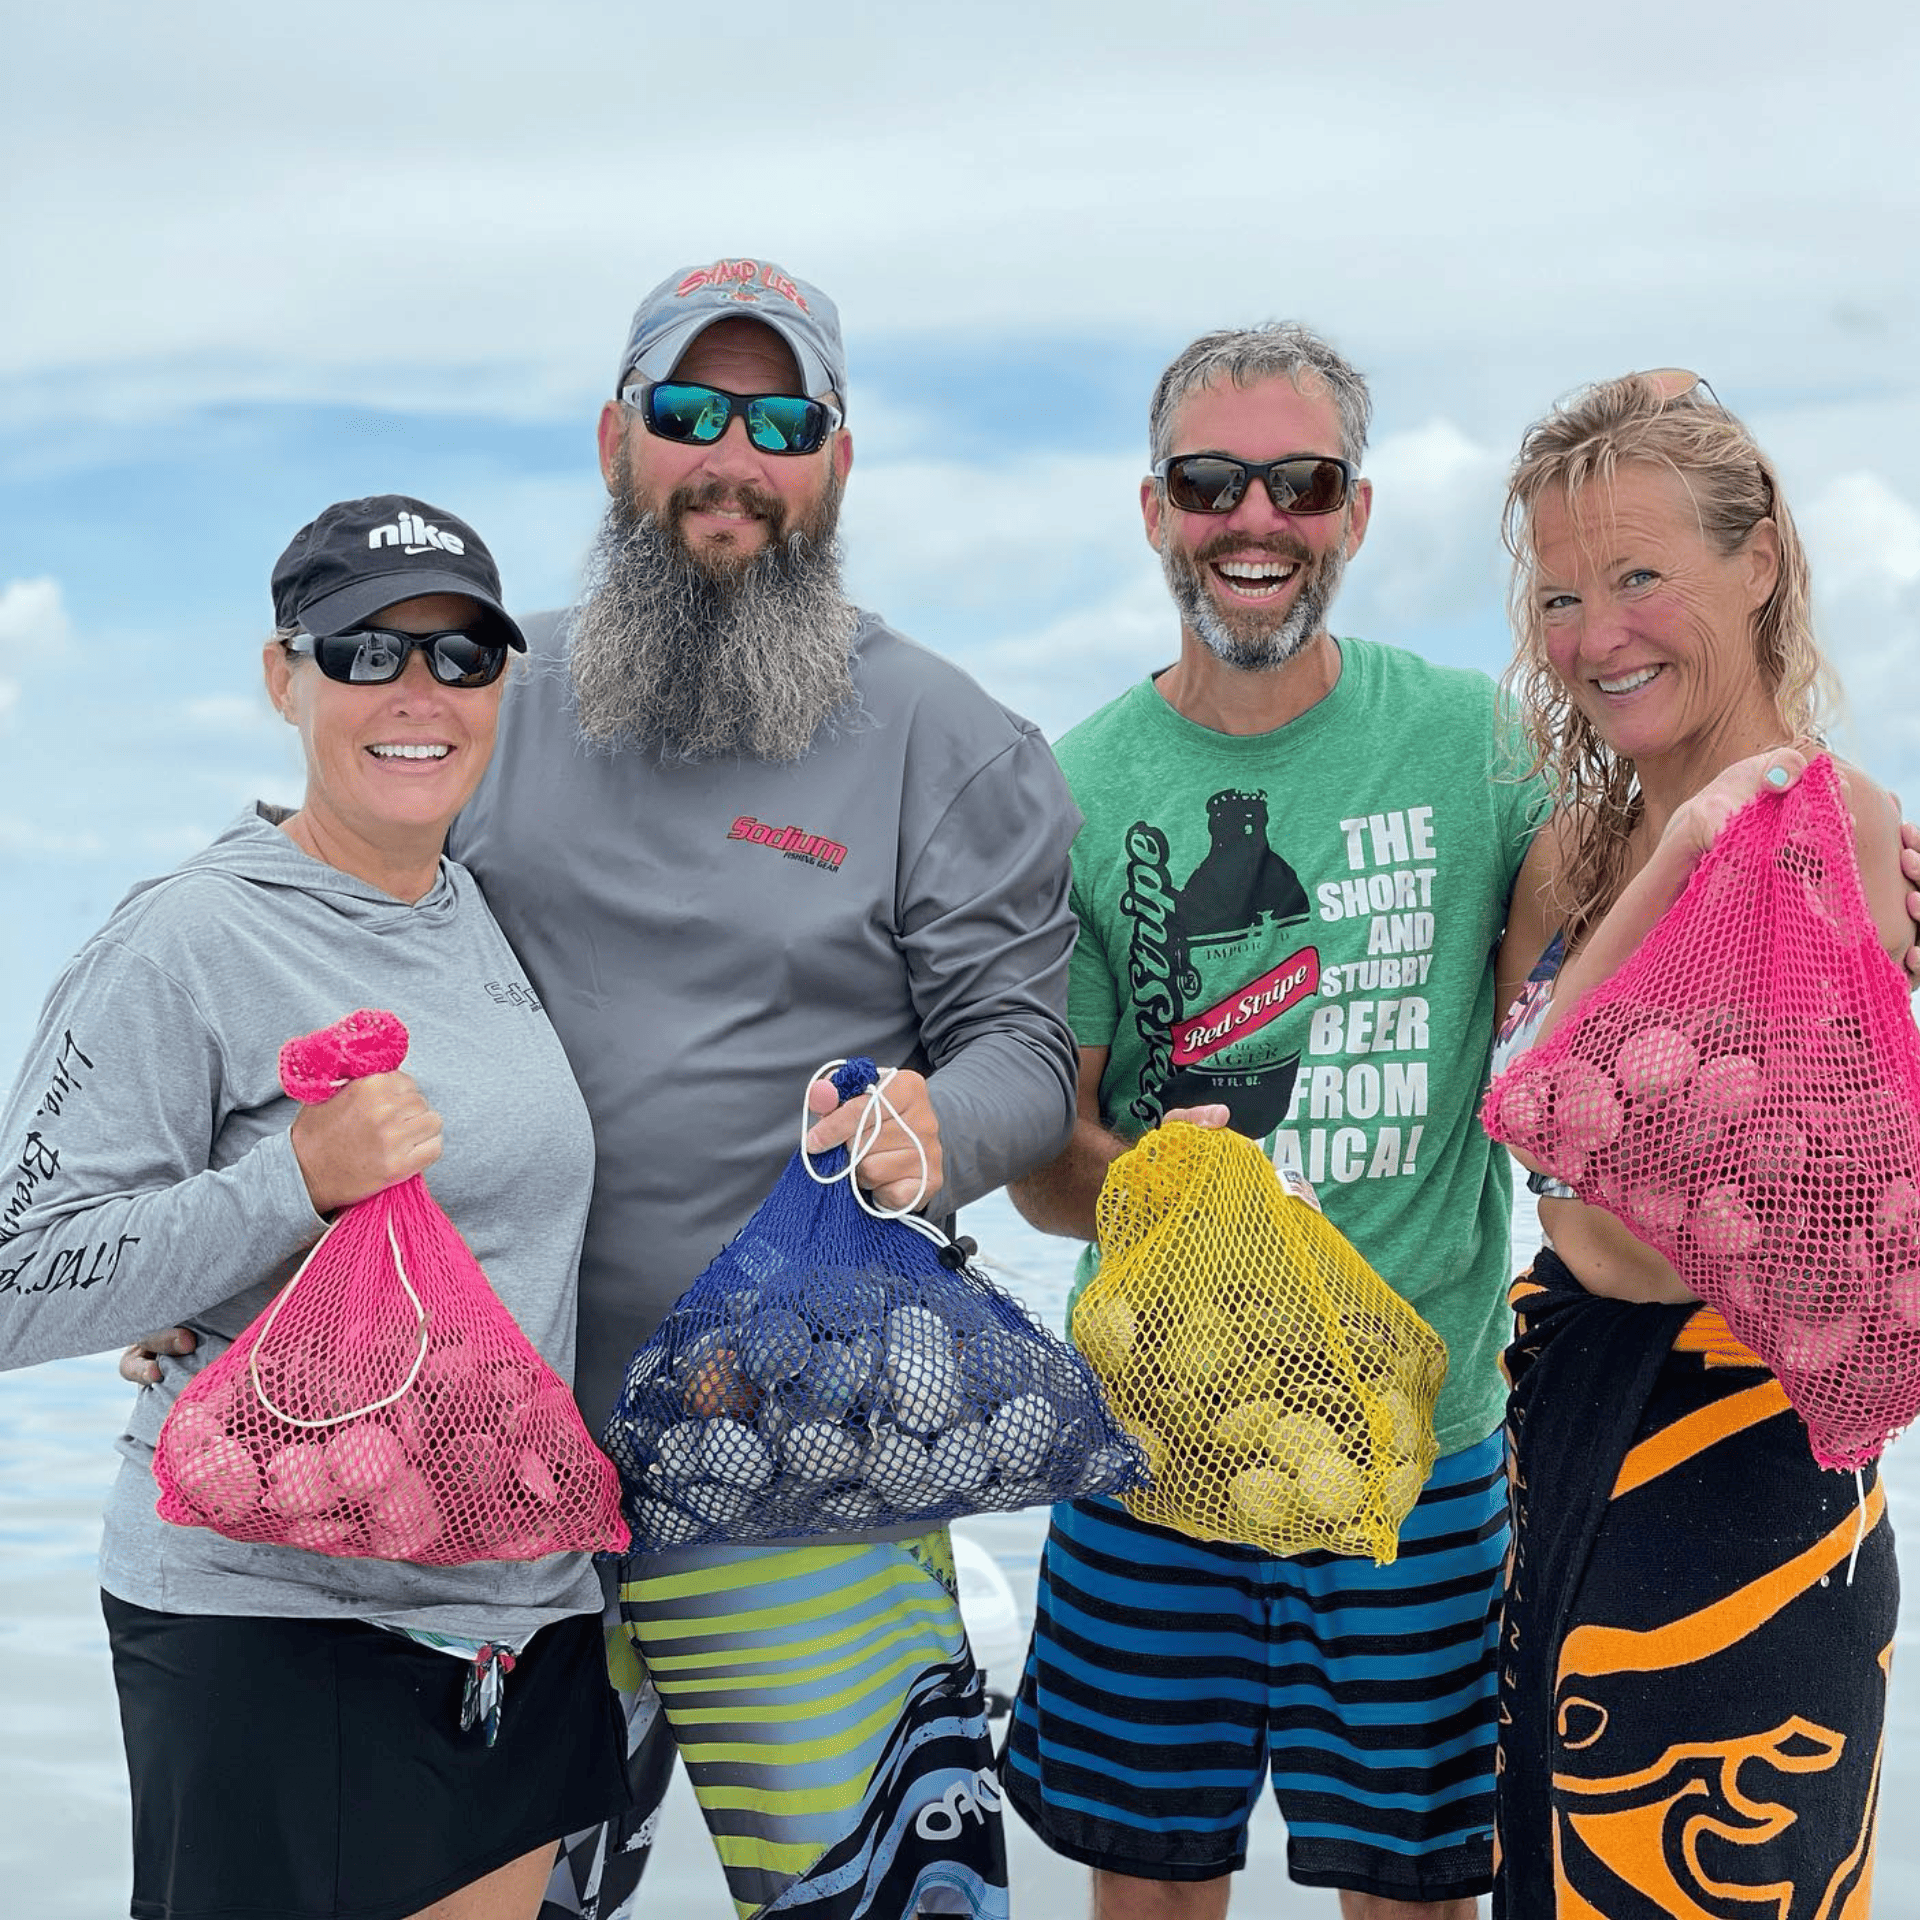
[(1301, 483), (374, 656), (697, 416)]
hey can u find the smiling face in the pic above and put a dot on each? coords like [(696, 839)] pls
[(1650, 628), (725, 502), (1254, 585), (387, 766)]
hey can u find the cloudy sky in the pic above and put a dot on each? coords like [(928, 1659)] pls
[(257, 259)]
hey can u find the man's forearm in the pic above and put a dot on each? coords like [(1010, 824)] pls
[(1059, 1197)]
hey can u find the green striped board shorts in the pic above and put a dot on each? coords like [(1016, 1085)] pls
[(833, 1725)]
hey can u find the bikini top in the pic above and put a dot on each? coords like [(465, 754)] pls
[(1521, 1028)]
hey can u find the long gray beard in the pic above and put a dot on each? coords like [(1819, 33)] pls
[(1246, 642), (704, 664)]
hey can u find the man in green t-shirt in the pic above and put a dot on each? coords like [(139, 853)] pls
[(1295, 867)]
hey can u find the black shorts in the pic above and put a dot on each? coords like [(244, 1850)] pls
[(316, 1769)]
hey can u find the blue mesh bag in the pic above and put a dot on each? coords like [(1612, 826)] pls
[(838, 1367)]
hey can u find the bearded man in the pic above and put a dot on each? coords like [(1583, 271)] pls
[(736, 827), (1295, 866)]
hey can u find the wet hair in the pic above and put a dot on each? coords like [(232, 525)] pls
[(1638, 420), (1244, 355)]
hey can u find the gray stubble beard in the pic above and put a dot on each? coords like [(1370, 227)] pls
[(705, 662), (1248, 645)]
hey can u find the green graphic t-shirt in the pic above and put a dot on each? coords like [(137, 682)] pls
[(1301, 924)]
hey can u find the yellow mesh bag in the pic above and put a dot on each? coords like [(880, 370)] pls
[(1282, 1390)]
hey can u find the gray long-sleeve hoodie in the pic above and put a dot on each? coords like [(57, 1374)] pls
[(150, 1179)]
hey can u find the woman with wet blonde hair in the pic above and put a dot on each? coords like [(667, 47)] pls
[(1699, 1620), (1668, 420)]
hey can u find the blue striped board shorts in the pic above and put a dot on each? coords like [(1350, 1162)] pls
[(1168, 1676)]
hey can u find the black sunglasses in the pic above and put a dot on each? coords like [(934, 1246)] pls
[(1301, 483), (695, 415), (375, 656)]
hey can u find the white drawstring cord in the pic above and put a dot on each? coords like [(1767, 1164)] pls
[(286, 1294), (867, 1130), (1860, 1527)]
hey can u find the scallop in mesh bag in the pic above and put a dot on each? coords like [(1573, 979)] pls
[(839, 1367), (1283, 1392), (385, 1405), (1744, 1094)]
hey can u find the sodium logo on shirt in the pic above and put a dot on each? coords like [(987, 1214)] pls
[(796, 843)]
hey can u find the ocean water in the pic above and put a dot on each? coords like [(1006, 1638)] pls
[(63, 1797)]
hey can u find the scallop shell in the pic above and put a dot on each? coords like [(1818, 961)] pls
[(536, 1476), (834, 1377), (716, 1504), (220, 1478), (404, 1519), (908, 1496), (852, 1507), (678, 1459), (1109, 1469), (364, 1458), (820, 1451), (895, 1454), (995, 1365), (299, 1481), (958, 1460), (1020, 1436), (655, 1524), (917, 1323), (736, 1456), (775, 1345), (898, 1469), (922, 1376)]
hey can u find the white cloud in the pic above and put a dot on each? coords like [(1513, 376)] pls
[(992, 536), (33, 625), (1863, 544), (1509, 193), (33, 618), (1432, 554), (1864, 537)]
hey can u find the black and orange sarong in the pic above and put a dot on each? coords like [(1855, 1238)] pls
[(1694, 1659)]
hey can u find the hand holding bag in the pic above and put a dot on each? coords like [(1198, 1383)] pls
[(385, 1405)]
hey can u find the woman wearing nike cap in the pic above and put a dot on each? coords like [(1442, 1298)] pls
[(293, 1721)]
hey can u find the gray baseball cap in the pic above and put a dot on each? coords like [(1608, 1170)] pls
[(668, 321)]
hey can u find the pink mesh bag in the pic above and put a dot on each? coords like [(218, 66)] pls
[(385, 1405), (1745, 1095)]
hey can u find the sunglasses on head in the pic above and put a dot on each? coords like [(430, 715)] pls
[(697, 416), (375, 656), (1302, 483), (1677, 383)]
